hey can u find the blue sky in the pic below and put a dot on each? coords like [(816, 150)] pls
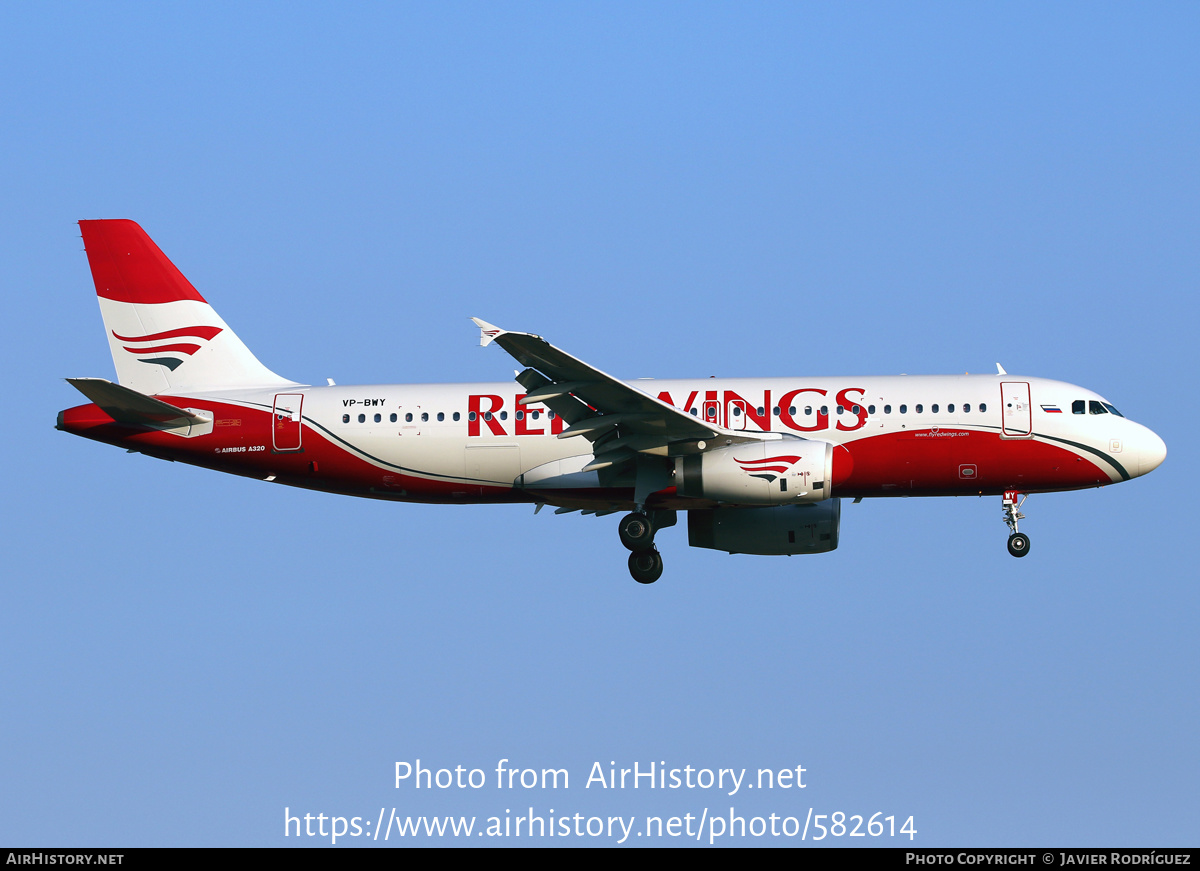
[(669, 190)]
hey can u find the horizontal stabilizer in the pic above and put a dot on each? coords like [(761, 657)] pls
[(125, 405)]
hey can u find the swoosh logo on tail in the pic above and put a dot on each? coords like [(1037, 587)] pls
[(200, 332)]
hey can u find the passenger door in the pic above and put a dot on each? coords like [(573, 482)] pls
[(285, 422), (1017, 417)]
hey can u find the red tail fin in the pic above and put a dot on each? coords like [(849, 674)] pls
[(128, 267), (163, 335)]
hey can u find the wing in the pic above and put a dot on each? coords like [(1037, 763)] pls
[(619, 420)]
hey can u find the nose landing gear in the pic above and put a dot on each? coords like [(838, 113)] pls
[(1018, 542)]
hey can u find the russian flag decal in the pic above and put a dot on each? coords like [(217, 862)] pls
[(1051, 409)]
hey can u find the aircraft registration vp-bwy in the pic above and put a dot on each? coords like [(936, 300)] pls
[(760, 465)]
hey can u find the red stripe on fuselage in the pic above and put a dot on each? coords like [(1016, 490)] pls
[(931, 463), (908, 463), (245, 448)]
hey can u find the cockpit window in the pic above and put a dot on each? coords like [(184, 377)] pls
[(1079, 406), (1112, 410), (1096, 407)]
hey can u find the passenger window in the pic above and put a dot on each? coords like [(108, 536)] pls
[(761, 411), (345, 418), (441, 415), (694, 413), (934, 408), (966, 408), (775, 411), (456, 416), (504, 415), (982, 407), (550, 415), (487, 415), (920, 408), (362, 418), (393, 417), (424, 415), (870, 409), (950, 408), (470, 416), (408, 417), (520, 415), (840, 409), (1078, 407), (534, 414), (887, 409), (379, 418), (1096, 408), (737, 411), (904, 409), (825, 409), (792, 410)]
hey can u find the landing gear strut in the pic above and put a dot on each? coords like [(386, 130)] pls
[(1018, 542)]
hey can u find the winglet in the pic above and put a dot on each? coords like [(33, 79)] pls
[(487, 332), (1000, 370)]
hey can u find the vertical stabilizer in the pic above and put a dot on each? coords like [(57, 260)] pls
[(164, 336)]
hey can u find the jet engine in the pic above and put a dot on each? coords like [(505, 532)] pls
[(778, 530), (781, 472)]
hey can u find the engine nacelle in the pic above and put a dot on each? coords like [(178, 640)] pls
[(781, 472), (779, 530)]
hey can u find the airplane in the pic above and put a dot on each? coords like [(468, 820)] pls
[(759, 465)]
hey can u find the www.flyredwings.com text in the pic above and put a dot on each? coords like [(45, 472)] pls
[(707, 824)]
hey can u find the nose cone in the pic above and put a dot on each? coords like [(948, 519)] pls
[(1151, 451)]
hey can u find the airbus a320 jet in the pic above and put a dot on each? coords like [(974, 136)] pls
[(760, 465)]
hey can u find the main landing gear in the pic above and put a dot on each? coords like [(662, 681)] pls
[(636, 531), (1018, 542), (646, 565), (637, 534)]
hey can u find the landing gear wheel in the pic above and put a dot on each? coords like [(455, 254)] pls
[(637, 533), (646, 566), (1018, 542)]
